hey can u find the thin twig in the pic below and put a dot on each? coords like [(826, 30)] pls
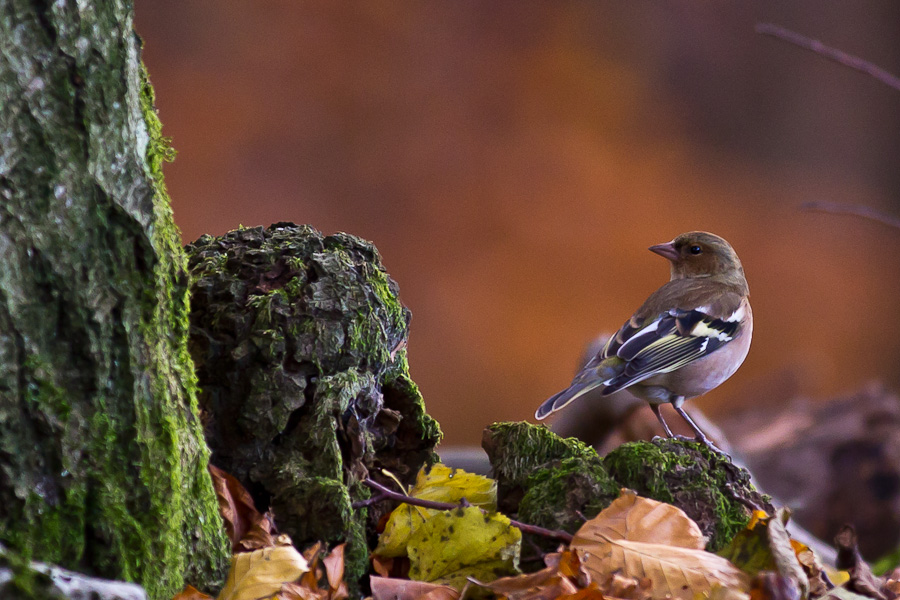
[(865, 212), (387, 494), (838, 56), (373, 500)]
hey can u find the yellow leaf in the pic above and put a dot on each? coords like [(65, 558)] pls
[(464, 542), (439, 484), (261, 573), (640, 538)]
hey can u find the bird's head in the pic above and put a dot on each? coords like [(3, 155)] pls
[(699, 254)]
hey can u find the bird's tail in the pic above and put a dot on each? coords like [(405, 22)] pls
[(556, 402)]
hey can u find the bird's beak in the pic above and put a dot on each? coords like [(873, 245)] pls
[(666, 250)]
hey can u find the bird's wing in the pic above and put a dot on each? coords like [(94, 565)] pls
[(658, 340), (668, 342)]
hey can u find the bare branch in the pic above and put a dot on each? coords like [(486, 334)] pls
[(848, 60), (865, 212), (385, 493)]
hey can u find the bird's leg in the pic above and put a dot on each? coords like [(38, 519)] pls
[(655, 408), (701, 437)]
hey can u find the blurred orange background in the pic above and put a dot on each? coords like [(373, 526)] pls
[(513, 160)]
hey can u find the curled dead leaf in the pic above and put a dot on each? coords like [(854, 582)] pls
[(639, 538), (191, 593), (384, 588)]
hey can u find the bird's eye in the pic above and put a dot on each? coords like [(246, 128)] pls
[(696, 250)]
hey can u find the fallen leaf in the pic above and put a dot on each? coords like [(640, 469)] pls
[(235, 505), (453, 545), (384, 588), (749, 549), (641, 538), (592, 592), (440, 484), (862, 580), (260, 535), (842, 593), (819, 580), (191, 593), (627, 588), (783, 552), (261, 573), (636, 519), (770, 585), (334, 566), (546, 584), (296, 591), (391, 567)]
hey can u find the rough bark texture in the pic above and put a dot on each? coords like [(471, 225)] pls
[(102, 460), (299, 344)]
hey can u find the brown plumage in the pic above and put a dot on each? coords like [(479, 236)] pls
[(687, 338)]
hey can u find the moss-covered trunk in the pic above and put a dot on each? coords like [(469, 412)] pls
[(102, 460)]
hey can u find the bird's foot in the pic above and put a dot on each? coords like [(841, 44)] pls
[(706, 442), (702, 439)]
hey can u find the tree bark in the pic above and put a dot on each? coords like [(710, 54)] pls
[(102, 459)]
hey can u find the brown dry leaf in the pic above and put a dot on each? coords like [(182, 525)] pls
[(384, 588), (544, 584), (862, 580), (296, 591), (563, 576), (639, 537), (627, 588), (260, 535), (636, 519), (235, 505), (311, 554), (334, 566), (262, 573), (819, 582), (771, 585), (191, 593), (891, 588), (592, 592)]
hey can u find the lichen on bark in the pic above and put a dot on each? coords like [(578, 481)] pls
[(102, 461), (299, 341)]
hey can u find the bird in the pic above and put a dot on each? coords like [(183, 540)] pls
[(686, 339)]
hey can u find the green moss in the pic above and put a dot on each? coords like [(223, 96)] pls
[(517, 449), (174, 460), (563, 494), (689, 475), (383, 288)]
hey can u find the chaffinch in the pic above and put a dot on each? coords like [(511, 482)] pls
[(688, 337)]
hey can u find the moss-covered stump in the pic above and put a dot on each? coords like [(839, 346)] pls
[(547, 480), (299, 344), (102, 457)]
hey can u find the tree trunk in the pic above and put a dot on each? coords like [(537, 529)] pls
[(102, 459)]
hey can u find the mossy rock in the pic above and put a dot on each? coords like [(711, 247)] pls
[(299, 344), (564, 494), (706, 485), (551, 481), (517, 450)]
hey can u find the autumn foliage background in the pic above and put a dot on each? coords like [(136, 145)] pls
[(512, 161)]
